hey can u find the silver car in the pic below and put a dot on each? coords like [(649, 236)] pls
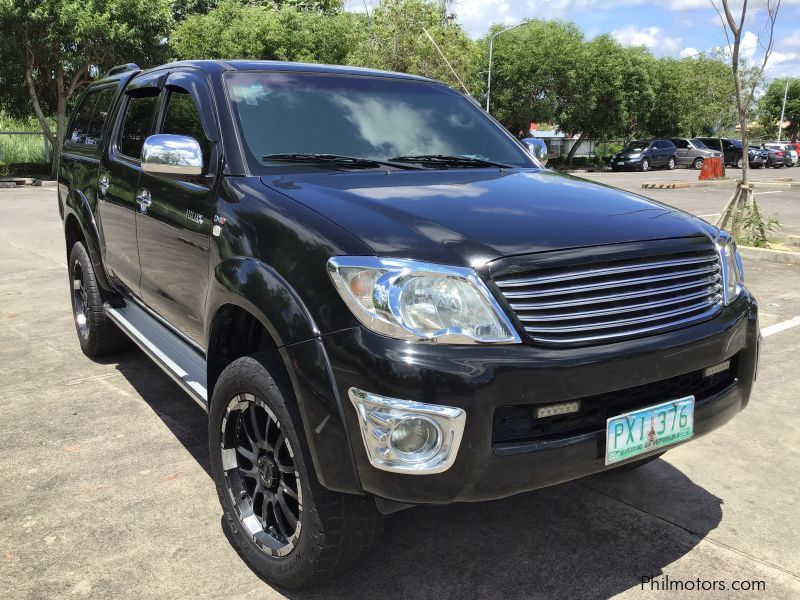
[(692, 152)]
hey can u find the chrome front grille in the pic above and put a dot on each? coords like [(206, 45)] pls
[(615, 299)]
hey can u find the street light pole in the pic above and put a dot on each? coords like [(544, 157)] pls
[(491, 52), (783, 111)]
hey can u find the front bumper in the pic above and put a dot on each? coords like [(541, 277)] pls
[(626, 163), (481, 378)]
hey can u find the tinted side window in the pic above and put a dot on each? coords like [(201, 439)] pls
[(681, 143), (83, 116), (138, 124), (655, 145), (183, 118), (99, 115)]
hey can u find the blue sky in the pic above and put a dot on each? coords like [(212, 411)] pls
[(683, 29)]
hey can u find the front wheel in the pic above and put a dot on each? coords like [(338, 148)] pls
[(698, 163), (288, 528), (645, 164), (739, 163), (671, 163)]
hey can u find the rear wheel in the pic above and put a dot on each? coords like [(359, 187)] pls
[(97, 334), (739, 163), (285, 525), (698, 163)]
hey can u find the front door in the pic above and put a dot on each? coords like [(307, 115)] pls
[(118, 178), (174, 231)]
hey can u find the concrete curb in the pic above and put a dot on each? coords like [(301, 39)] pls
[(767, 255), (674, 185)]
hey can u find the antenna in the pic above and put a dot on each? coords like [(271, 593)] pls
[(444, 58)]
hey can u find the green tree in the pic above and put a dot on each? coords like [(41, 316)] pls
[(61, 44), (771, 104), (234, 30), (712, 98), (535, 71), (394, 39)]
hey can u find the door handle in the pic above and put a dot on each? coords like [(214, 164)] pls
[(103, 184), (143, 198)]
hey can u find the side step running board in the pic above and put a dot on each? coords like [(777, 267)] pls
[(179, 360)]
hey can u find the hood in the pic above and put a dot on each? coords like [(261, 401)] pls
[(470, 216)]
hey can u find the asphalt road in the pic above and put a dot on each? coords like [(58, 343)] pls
[(106, 491)]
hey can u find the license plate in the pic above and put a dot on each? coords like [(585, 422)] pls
[(622, 162), (649, 429)]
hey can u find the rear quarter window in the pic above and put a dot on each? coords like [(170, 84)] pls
[(90, 117)]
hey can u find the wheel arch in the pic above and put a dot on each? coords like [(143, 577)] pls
[(80, 226), (253, 309)]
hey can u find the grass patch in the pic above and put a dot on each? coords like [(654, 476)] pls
[(21, 148)]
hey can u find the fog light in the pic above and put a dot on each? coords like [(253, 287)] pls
[(407, 436)]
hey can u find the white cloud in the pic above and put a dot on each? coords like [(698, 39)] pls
[(688, 52), (652, 38)]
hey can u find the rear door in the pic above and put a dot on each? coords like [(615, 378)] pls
[(174, 232), (683, 151), (118, 179), (657, 150)]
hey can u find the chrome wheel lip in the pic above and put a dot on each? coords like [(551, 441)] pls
[(269, 540), (79, 299)]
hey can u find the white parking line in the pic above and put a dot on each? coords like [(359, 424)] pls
[(778, 327), (772, 192)]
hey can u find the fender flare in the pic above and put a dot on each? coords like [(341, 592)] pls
[(257, 288), (77, 206)]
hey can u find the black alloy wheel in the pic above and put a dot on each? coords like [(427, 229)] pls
[(261, 475)]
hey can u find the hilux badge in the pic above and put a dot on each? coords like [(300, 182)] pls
[(193, 216)]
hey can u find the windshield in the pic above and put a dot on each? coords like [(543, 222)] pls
[(698, 144), (636, 147), (375, 118)]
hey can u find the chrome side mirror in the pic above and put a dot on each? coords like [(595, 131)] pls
[(172, 154), (541, 153)]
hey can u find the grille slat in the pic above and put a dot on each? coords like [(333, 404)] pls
[(616, 299), (602, 285), (614, 310)]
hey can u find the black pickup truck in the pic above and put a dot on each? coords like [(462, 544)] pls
[(383, 300)]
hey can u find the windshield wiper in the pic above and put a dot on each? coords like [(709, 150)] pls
[(448, 160), (353, 162)]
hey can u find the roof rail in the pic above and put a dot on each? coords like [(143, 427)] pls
[(122, 69)]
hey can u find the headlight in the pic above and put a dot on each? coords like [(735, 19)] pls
[(412, 300), (732, 268)]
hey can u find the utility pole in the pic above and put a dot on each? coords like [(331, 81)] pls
[(783, 110), (491, 51)]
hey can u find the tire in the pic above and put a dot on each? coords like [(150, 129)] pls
[(671, 163), (303, 534), (97, 334), (698, 163), (739, 163), (645, 165)]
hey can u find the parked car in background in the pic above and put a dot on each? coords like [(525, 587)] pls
[(759, 157), (731, 149), (537, 148), (693, 152), (793, 153), (779, 156), (644, 155), (796, 146)]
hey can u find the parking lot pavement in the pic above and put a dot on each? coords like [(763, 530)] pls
[(106, 491), (708, 200)]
